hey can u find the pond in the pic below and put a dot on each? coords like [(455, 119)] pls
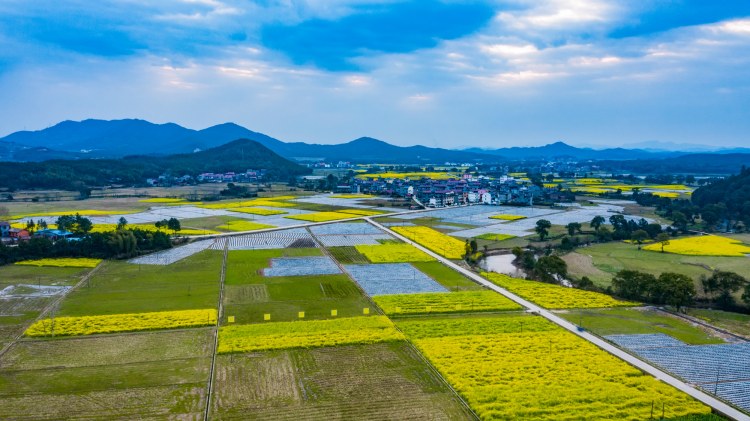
[(502, 263)]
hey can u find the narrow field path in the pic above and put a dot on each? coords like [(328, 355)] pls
[(49, 307), (709, 400), (220, 311)]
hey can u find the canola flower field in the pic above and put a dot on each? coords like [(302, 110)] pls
[(321, 216), (524, 367), (436, 241), (507, 217), (150, 228), (361, 212), (454, 302), (84, 212), (393, 253), (435, 175), (272, 202), (555, 296), (307, 334), (705, 245), (78, 262), (129, 322), (257, 211)]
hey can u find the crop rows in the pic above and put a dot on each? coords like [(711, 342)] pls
[(301, 266), (393, 253), (267, 240), (176, 254), (392, 278)]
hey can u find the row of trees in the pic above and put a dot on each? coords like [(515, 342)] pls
[(107, 245), (678, 290)]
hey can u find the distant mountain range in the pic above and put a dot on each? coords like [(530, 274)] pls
[(118, 138), (238, 156)]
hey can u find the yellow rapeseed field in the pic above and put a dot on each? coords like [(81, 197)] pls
[(555, 296), (444, 302), (507, 217), (307, 334), (257, 211), (151, 228), (82, 212), (361, 212), (435, 175), (393, 253), (273, 202), (77, 262), (436, 241), (705, 245), (495, 237), (90, 325), (321, 216), (534, 370)]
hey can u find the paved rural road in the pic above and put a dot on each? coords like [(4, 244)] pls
[(642, 365)]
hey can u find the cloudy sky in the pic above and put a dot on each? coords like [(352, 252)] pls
[(438, 73)]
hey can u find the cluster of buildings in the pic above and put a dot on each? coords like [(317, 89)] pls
[(10, 235), (166, 180), (451, 192)]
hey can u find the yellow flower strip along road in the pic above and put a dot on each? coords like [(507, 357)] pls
[(307, 334), (436, 241), (82, 212), (77, 262), (437, 302), (361, 212), (534, 370), (90, 325), (393, 253), (507, 217), (705, 245), (555, 296)]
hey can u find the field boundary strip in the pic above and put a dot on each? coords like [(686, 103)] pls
[(48, 308), (414, 349), (715, 403), (219, 312), (704, 324)]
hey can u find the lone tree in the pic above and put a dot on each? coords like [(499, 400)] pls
[(542, 228), (573, 227), (597, 222), (121, 223), (663, 239), (675, 289), (639, 236), (174, 225)]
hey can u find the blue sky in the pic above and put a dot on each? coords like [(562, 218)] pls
[(438, 73)]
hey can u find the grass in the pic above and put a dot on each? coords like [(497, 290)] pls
[(734, 322), (447, 277), (243, 225), (249, 295), (495, 237), (384, 381), (348, 255), (609, 258), (637, 321), (135, 376), (14, 275), (121, 287)]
